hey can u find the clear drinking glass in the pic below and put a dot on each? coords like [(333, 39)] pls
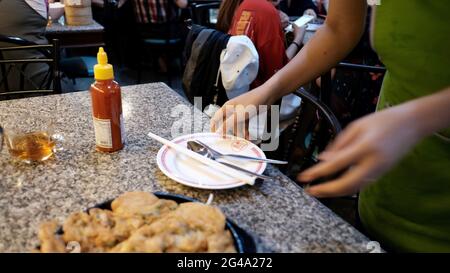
[(34, 142)]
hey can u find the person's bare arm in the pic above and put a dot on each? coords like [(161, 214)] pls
[(295, 46), (342, 30), (298, 32), (340, 33), (374, 144)]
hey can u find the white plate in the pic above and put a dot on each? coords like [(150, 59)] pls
[(190, 172)]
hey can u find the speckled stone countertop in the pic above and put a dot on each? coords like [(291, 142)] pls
[(58, 27), (278, 214)]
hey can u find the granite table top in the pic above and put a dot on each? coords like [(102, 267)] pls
[(279, 215), (59, 27)]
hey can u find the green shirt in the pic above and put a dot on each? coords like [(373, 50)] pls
[(408, 209)]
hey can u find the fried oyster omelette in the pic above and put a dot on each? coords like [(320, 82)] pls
[(141, 222)]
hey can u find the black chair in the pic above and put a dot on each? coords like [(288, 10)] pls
[(353, 90), (327, 127), (326, 79), (50, 83), (313, 128), (205, 13)]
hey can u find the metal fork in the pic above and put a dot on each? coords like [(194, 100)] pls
[(217, 154)]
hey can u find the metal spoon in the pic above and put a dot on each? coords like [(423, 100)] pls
[(217, 154), (198, 148)]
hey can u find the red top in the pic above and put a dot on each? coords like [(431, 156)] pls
[(260, 21)]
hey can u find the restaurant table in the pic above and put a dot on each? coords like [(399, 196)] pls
[(279, 215), (76, 36)]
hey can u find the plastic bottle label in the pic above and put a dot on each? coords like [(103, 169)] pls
[(103, 134)]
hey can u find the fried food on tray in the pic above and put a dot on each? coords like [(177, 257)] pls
[(200, 216), (168, 234), (133, 202), (143, 204), (221, 242), (49, 241), (141, 222), (99, 230)]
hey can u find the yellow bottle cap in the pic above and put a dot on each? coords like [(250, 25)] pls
[(103, 70)]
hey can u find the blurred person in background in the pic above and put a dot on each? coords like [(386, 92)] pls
[(29, 23), (294, 8), (117, 19), (322, 6), (260, 21), (29, 20), (158, 11), (25, 19), (127, 20)]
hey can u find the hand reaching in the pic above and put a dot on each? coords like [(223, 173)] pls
[(368, 148), (232, 117)]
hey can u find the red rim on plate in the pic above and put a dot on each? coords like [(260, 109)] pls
[(163, 155)]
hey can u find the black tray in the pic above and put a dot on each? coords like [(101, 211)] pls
[(243, 242)]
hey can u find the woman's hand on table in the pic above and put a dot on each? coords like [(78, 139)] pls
[(231, 118)]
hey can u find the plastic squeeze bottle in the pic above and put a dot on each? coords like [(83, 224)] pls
[(106, 107)]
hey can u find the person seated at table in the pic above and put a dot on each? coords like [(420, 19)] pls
[(29, 23), (29, 20), (259, 20), (289, 8), (25, 19)]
